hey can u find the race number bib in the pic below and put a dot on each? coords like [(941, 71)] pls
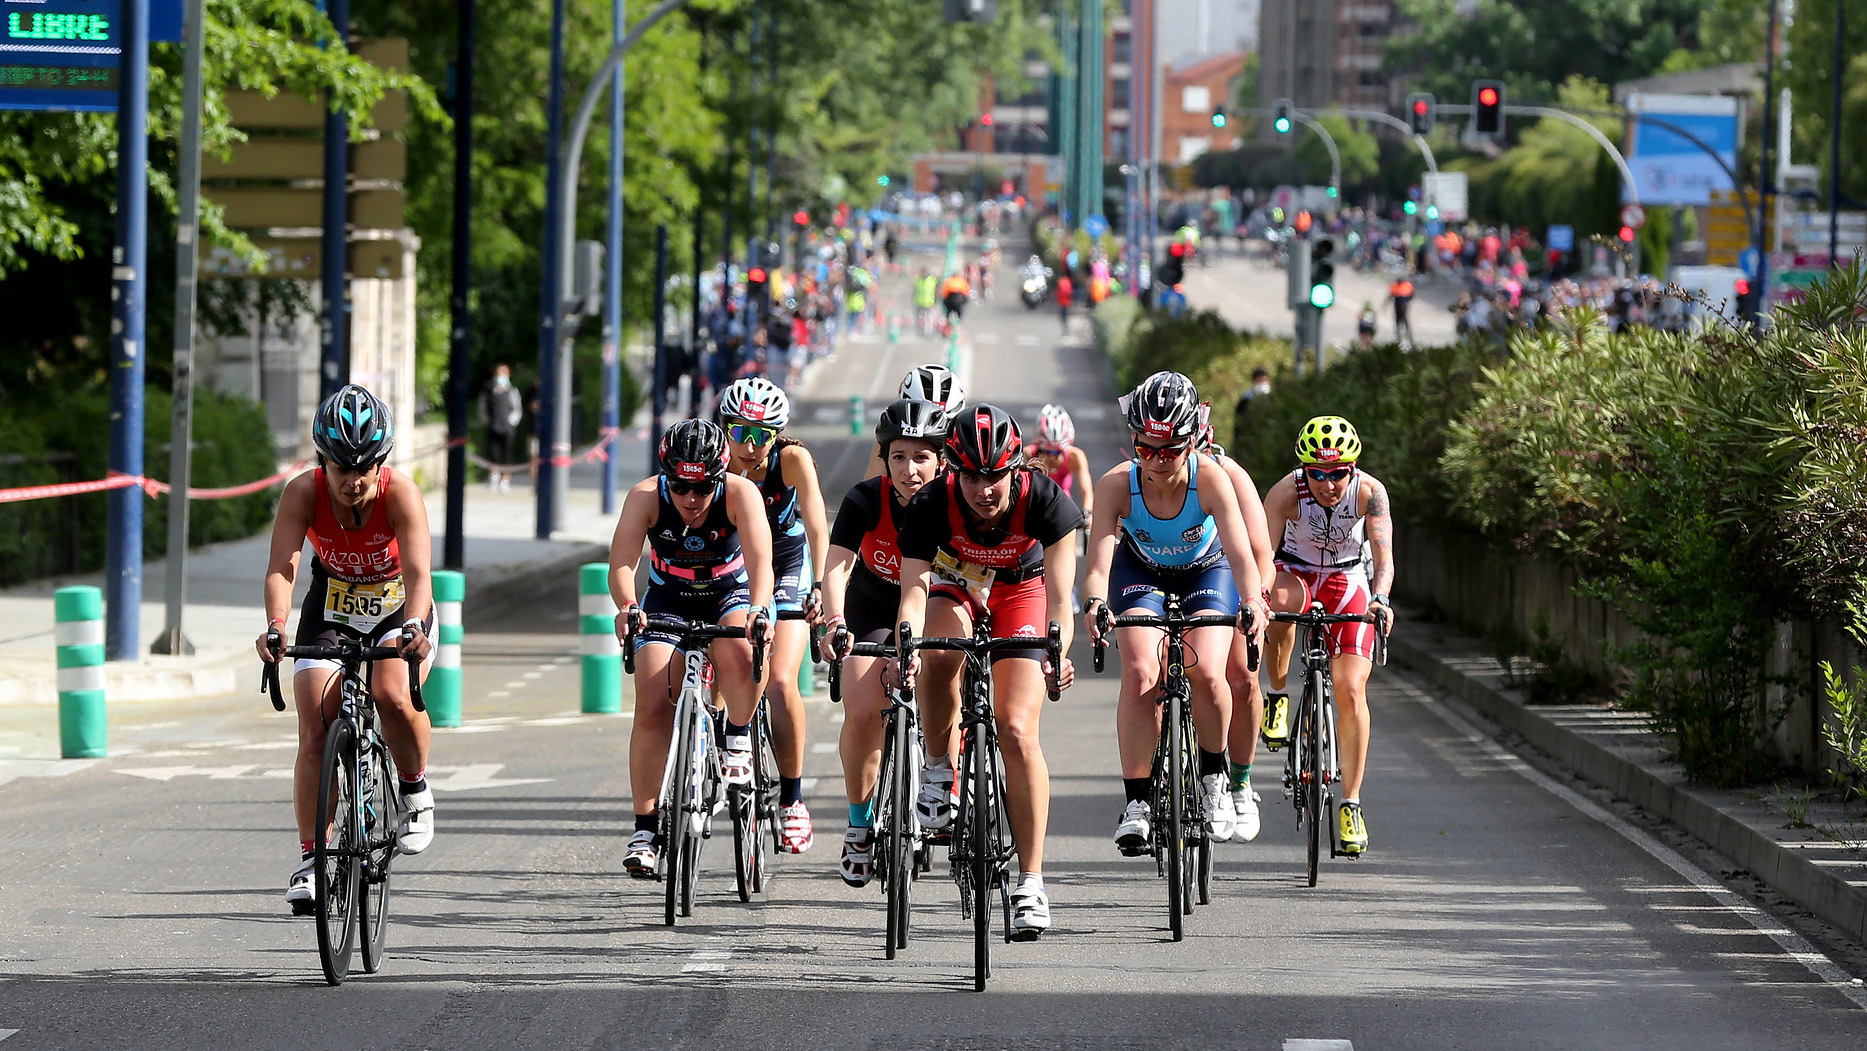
[(975, 579), (361, 607)]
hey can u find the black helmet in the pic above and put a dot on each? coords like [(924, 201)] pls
[(353, 429), (694, 451), (986, 438), (1165, 407), (913, 418)]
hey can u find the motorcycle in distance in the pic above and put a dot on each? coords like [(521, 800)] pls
[(1035, 287)]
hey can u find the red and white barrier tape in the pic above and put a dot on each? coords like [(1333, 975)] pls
[(148, 485), (596, 453)]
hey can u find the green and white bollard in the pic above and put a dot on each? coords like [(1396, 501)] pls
[(857, 422), (602, 651), (952, 352), (79, 634), (441, 692)]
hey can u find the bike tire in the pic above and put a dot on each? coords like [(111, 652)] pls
[(743, 803), (382, 813), (886, 844), (979, 763), (1176, 814), (336, 850), (765, 776), (706, 786), (1198, 880), (1318, 793), (675, 828)]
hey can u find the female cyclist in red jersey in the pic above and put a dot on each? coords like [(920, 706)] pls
[(368, 528)]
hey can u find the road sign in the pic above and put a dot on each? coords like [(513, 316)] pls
[(63, 54), (1096, 225), (1561, 238), (1791, 273), (1633, 215), (1447, 192), (1749, 260)]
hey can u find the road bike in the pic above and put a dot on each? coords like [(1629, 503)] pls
[(1312, 769), (1179, 811), (359, 817), (981, 843), (899, 850), (691, 782)]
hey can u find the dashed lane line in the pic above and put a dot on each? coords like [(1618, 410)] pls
[(1312, 1044), (708, 961)]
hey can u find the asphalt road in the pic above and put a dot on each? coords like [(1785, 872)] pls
[(1498, 908)]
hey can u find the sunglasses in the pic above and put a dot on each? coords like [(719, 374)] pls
[(689, 488), (1333, 474), (1052, 450), (987, 477), (1158, 452), (749, 434)]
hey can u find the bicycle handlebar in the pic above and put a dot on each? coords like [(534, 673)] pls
[(269, 673), (861, 649), (1172, 621), (816, 653), (688, 631), (1052, 646), (1315, 617)]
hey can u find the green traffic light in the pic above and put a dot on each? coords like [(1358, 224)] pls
[(1432, 211), (881, 180), (1333, 192), (1283, 125), (1321, 296), (1218, 120), (1410, 208)]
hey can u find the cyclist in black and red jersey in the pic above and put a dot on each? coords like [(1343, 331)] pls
[(992, 536), (863, 583)]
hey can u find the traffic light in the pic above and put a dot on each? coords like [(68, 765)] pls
[(1303, 222), (1626, 235), (985, 120), (1321, 274), (1422, 113), (1218, 116), (758, 287), (1173, 268), (800, 218), (1411, 208), (1488, 108), (881, 180), (1282, 121), (1432, 211)]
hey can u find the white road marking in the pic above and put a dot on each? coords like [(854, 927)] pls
[(473, 728), (555, 720), (1307, 1044), (499, 693), (809, 784), (170, 773), (262, 746), (1028, 340), (708, 961), (475, 775), (823, 747), (1793, 945), (532, 675), (4, 1033)]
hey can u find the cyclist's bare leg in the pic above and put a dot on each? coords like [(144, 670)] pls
[(781, 692), (861, 739), (1352, 722), (315, 694), (732, 672), (1247, 705), (653, 724), (1017, 700), (936, 690), (1288, 595), (1137, 712), (404, 729), (1209, 649)]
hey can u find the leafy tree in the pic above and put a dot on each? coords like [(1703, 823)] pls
[(1809, 74)]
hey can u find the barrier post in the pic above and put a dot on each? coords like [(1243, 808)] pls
[(79, 636), (441, 692), (856, 415), (602, 651)]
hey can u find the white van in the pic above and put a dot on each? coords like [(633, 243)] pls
[(1718, 284)]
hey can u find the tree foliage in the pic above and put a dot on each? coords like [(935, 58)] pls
[(1809, 74)]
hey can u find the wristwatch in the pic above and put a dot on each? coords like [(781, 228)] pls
[(1381, 600)]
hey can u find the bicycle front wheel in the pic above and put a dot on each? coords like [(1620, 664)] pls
[(1315, 757), (676, 828), (338, 850), (382, 815), (1176, 819), (980, 782)]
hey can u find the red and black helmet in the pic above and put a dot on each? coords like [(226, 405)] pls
[(694, 451), (986, 439)]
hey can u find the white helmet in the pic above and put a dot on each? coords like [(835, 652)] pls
[(756, 400), (935, 383), (1054, 426)]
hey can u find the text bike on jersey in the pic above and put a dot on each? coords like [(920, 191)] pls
[(1335, 546), (709, 547), (993, 538), (368, 529)]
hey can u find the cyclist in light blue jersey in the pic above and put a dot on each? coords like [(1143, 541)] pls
[(1167, 523)]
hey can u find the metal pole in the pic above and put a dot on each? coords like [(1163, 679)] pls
[(334, 276), (658, 398), (1064, 134), (612, 283), (1834, 134), (753, 130), (551, 297), (123, 571), (1328, 141), (693, 321), (771, 120), (459, 356), (1766, 184), (1156, 89), (187, 232)]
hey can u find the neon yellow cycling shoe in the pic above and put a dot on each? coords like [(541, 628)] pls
[(1276, 728), (1354, 831)]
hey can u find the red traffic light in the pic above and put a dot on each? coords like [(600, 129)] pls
[(1419, 106), (1627, 234), (802, 218), (986, 120), (1743, 287), (1487, 96), (1303, 222), (756, 275), (1176, 249)]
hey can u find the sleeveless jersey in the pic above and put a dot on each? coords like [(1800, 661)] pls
[(1062, 474), (1188, 540), (780, 499), (880, 553), (705, 557), (1325, 538), (365, 555), (1008, 553)]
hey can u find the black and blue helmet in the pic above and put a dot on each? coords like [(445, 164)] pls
[(353, 429)]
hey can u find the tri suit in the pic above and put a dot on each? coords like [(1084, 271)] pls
[(694, 573), (1179, 556), (356, 577), (869, 524)]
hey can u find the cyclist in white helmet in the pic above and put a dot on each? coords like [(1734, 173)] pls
[(934, 383)]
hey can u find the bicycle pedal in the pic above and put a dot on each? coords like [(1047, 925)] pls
[(1025, 935), (305, 908)]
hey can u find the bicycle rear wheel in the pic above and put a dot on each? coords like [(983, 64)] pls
[(338, 846), (765, 776), (1175, 824), (382, 813), (1314, 761), (748, 814)]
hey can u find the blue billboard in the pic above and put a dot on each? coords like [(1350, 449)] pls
[(1669, 167), (64, 54)]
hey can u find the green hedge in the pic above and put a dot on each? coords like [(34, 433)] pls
[(232, 445)]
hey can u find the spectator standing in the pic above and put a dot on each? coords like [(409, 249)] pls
[(503, 410)]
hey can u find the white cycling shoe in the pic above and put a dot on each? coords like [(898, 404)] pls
[(418, 824), (1215, 793), (1245, 810)]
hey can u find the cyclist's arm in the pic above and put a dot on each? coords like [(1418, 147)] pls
[(1109, 509), (288, 542), (1251, 506), (408, 518), (836, 570), (747, 513), (1280, 509), (1059, 581), (802, 470), (625, 545), (1217, 499), (1380, 535), (1085, 482), (916, 581)]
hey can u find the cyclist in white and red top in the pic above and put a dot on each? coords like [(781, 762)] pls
[(368, 528), (993, 536), (1336, 547), (862, 591)]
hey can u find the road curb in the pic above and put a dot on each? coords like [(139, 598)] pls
[(1828, 895), (170, 678)]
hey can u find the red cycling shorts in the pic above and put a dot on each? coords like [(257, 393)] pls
[(1338, 592), (1019, 610)]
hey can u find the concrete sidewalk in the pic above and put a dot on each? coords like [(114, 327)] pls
[(1615, 750)]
